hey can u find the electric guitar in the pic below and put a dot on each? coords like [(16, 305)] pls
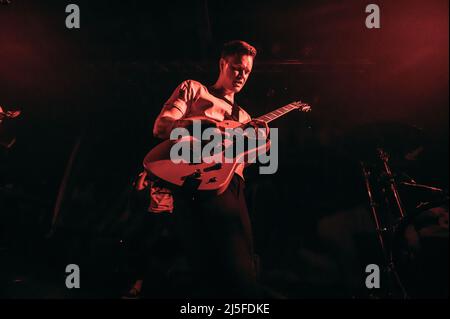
[(211, 173)]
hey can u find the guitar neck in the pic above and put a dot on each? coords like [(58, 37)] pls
[(269, 117)]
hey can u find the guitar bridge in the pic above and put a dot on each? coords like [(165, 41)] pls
[(196, 174)]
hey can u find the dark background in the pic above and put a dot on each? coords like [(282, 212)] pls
[(95, 92)]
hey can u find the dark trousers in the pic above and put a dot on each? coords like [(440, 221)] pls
[(217, 234), (151, 241)]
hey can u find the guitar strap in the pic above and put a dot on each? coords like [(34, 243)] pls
[(234, 110)]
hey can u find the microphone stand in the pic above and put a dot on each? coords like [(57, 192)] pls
[(385, 234)]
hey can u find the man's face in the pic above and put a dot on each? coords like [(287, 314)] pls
[(235, 71)]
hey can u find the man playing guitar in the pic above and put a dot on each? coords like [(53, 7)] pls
[(217, 229)]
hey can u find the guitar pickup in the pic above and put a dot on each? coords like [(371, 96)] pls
[(213, 168)]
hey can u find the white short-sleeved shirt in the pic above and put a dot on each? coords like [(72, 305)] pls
[(191, 98)]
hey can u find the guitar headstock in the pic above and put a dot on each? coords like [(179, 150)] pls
[(303, 107)]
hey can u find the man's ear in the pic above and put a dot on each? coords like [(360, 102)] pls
[(222, 63)]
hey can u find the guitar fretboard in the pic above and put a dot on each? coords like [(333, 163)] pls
[(277, 113)]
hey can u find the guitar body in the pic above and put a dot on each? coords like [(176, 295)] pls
[(212, 175), (200, 176)]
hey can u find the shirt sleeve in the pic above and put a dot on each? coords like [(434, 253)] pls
[(179, 100), (174, 108)]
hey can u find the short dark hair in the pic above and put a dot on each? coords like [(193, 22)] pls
[(238, 47)]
